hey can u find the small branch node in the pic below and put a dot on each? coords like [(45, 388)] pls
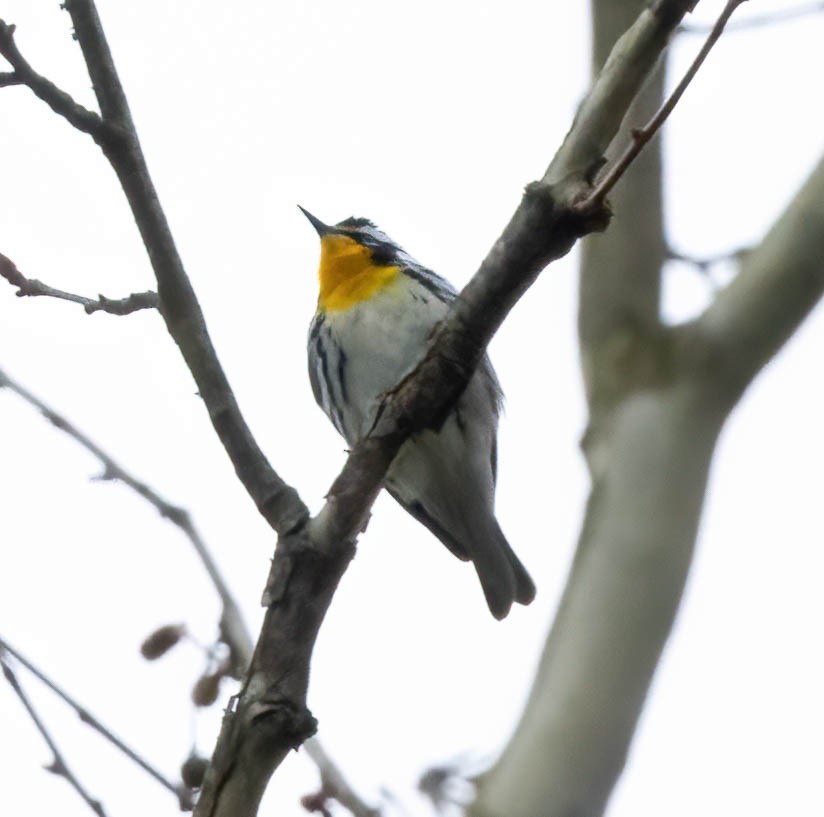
[(31, 287), (8, 78)]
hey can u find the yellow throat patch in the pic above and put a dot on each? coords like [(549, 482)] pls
[(347, 273)]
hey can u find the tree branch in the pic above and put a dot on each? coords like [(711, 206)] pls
[(704, 264), (58, 100), (9, 78), (233, 628), (619, 298), (277, 502), (334, 785), (641, 136), (636, 544), (181, 792), (58, 765), (553, 214), (619, 289), (31, 287), (271, 716), (759, 20), (778, 284)]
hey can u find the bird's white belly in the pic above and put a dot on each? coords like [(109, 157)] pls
[(384, 338)]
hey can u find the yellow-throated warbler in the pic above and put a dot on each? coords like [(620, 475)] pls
[(376, 310)]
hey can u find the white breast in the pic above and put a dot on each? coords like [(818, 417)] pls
[(384, 338)]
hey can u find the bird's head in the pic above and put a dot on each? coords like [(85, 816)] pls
[(357, 260)]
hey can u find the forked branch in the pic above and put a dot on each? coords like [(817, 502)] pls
[(57, 99), (270, 717)]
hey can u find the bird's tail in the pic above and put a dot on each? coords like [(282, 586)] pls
[(476, 535), (503, 577)]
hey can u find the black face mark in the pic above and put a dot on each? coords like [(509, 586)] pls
[(384, 254)]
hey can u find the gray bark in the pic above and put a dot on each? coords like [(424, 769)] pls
[(658, 397)]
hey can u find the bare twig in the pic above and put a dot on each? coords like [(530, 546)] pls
[(334, 786), (233, 628), (705, 263), (31, 287), (58, 100), (759, 20), (58, 765), (640, 136), (180, 792)]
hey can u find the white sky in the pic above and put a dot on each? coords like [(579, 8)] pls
[(428, 118)]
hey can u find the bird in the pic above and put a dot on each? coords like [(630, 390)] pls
[(376, 310)]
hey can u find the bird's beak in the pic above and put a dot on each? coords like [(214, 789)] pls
[(322, 228)]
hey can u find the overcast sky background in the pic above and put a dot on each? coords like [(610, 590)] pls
[(428, 118)]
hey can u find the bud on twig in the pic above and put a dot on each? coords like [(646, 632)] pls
[(161, 641), (205, 691), (192, 770)]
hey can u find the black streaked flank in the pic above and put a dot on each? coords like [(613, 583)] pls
[(342, 373), (334, 408)]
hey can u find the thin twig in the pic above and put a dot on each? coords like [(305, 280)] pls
[(31, 287), (58, 765), (333, 785), (640, 136), (758, 20), (233, 628), (705, 263), (58, 100), (180, 792)]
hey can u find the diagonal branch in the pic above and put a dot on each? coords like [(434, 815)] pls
[(277, 502), (181, 792), (31, 287), (58, 765), (778, 284), (271, 717), (58, 100), (641, 136), (760, 20)]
